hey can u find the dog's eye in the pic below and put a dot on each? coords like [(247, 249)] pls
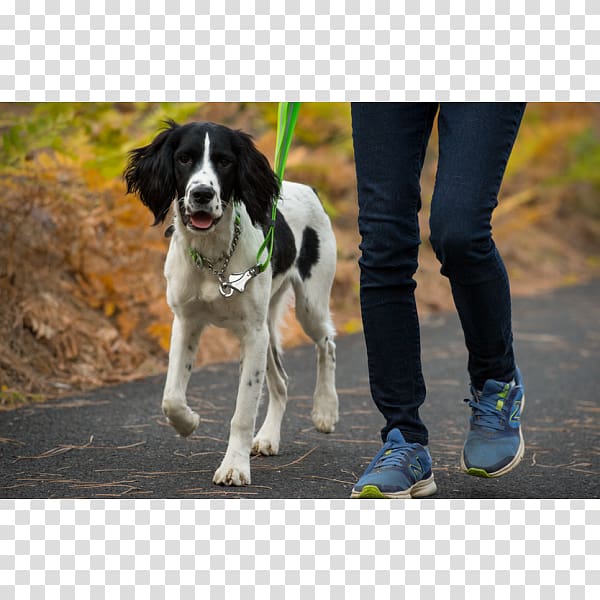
[(184, 159), (223, 162)]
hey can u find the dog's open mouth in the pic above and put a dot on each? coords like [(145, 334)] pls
[(201, 221)]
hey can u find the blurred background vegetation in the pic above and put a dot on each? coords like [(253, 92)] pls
[(81, 285)]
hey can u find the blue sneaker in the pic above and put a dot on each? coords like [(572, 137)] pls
[(399, 470), (494, 444)]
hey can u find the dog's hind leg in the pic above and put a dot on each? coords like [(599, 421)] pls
[(184, 344), (312, 310), (267, 439)]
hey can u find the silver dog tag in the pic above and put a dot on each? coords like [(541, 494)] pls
[(237, 282)]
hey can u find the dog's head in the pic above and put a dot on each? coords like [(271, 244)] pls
[(204, 167)]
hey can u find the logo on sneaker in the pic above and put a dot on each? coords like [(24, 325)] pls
[(516, 412), (417, 469)]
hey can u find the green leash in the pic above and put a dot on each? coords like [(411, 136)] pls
[(287, 115)]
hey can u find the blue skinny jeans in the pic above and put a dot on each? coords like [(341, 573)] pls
[(475, 142)]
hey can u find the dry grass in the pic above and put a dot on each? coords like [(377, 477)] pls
[(62, 448)]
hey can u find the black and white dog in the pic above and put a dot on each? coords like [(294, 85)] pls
[(222, 190)]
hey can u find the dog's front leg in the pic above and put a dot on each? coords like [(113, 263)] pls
[(184, 344), (235, 468)]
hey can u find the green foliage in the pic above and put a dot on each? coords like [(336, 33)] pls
[(31, 132), (585, 162), (96, 134), (323, 122), (319, 123), (12, 398), (557, 145)]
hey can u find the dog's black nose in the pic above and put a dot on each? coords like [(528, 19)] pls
[(202, 194)]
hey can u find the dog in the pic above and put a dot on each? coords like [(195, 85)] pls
[(221, 190)]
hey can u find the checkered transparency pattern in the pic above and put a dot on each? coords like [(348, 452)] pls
[(310, 50), (247, 549)]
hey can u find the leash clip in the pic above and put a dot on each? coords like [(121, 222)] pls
[(237, 281)]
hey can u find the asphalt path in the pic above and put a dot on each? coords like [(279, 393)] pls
[(114, 442)]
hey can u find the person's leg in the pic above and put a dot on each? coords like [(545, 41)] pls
[(476, 140), (389, 146), (475, 143)]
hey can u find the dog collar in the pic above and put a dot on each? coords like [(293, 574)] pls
[(235, 281)]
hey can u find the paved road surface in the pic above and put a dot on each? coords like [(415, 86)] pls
[(114, 442)]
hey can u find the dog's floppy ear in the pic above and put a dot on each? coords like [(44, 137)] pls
[(149, 173), (257, 185)]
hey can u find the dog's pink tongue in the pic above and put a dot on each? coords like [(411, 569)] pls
[(201, 220)]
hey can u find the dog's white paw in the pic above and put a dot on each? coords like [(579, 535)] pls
[(265, 445), (325, 418), (182, 418), (232, 474)]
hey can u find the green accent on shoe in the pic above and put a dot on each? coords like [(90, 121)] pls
[(478, 473), (371, 491)]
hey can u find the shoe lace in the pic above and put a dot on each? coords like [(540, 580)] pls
[(485, 414), (394, 456)]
